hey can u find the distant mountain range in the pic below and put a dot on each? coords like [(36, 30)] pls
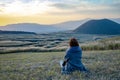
[(31, 27), (70, 25), (38, 28), (102, 26)]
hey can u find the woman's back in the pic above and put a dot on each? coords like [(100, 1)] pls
[(73, 57), (74, 54)]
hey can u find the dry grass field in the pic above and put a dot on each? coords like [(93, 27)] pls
[(103, 65)]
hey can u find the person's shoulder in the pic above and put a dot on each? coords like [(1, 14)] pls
[(77, 48), (73, 49)]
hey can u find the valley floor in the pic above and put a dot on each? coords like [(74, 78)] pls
[(104, 65)]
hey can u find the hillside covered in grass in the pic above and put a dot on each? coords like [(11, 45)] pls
[(54, 42), (112, 43), (103, 65)]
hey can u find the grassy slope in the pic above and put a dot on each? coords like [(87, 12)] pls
[(104, 65)]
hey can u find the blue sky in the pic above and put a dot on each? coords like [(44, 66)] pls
[(54, 11)]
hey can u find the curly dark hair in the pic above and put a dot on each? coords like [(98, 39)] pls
[(73, 42)]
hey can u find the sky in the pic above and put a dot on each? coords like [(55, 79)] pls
[(56, 11)]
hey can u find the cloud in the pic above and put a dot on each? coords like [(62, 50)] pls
[(52, 11), (63, 6), (87, 7), (58, 7), (23, 9)]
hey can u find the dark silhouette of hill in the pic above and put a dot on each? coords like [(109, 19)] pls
[(71, 25), (102, 26), (15, 32)]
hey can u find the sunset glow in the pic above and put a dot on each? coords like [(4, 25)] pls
[(55, 11)]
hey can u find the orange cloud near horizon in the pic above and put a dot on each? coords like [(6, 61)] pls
[(46, 19), (40, 19), (55, 11)]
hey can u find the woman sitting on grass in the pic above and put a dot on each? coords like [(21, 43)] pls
[(72, 60)]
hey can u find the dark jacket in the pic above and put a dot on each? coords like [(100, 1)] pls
[(74, 55)]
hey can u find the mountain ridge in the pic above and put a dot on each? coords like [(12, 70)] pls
[(101, 26), (42, 28), (30, 27), (71, 25)]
